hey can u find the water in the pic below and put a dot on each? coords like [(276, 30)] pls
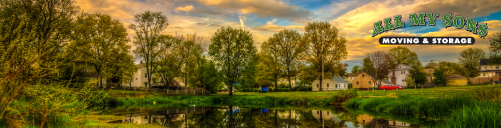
[(252, 117)]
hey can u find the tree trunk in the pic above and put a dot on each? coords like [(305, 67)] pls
[(289, 78), (276, 83), (231, 88)]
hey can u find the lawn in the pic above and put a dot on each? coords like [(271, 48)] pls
[(434, 92)]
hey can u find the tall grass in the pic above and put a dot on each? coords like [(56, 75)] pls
[(458, 111)]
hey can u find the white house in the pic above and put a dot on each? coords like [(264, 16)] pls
[(335, 83), (397, 76), (350, 77), (487, 70), (140, 78)]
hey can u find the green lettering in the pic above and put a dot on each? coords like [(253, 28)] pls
[(483, 30), (377, 29), (471, 25), (388, 25), (417, 20), (447, 20), (398, 22), (459, 26), (432, 17)]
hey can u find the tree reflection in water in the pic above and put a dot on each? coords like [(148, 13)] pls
[(237, 117)]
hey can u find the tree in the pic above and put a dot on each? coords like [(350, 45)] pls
[(232, 51), (148, 26), (325, 47), (98, 39), (495, 49), (367, 65), (121, 68), (356, 69), (290, 48), (470, 60), (208, 76), (439, 77), (418, 77), (381, 62), (402, 55), (269, 61), (450, 68)]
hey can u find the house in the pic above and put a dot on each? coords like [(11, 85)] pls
[(323, 114), (363, 81), (429, 72), (350, 77), (487, 70), (335, 83), (398, 74), (456, 80), (140, 79), (364, 119)]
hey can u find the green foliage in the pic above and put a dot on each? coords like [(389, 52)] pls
[(101, 42), (403, 55), (439, 77), (470, 60), (148, 40), (418, 76), (367, 65), (233, 55), (304, 88), (450, 68), (325, 49), (356, 69)]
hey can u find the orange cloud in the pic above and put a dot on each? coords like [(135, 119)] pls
[(185, 9), (493, 24), (276, 28)]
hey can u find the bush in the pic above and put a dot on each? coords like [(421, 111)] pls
[(304, 88)]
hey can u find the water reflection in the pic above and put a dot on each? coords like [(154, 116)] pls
[(233, 116)]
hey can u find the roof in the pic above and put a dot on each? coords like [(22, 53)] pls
[(484, 61), (387, 82), (338, 79), (455, 77), (353, 74)]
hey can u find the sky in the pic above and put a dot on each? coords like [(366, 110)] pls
[(353, 18)]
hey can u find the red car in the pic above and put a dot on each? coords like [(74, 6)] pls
[(390, 87)]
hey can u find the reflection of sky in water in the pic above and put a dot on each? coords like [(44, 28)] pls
[(351, 125)]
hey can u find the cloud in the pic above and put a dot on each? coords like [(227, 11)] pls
[(465, 8), (493, 24), (185, 8), (262, 8), (359, 22), (276, 28)]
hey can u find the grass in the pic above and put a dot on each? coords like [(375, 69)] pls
[(456, 111)]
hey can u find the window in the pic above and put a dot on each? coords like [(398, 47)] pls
[(327, 84), (136, 78), (317, 85), (363, 75), (145, 84), (318, 112), (369, 82), (327, 112), (357, 82), (336, 85), (145, 74), (484, 74), (497, 67), (485, 67)]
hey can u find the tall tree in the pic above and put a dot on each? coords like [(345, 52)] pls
[(382, 62), (325, 47), (232, 51), (495, 49), (470, 60), (269, 61), (290, 48), (403, 55), (97, 40), (148, 27), (450, 68), (356, 69), (367, 65)]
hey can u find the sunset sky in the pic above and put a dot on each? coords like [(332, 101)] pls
[(354, 19)]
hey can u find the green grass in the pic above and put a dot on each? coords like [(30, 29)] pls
[(457, 111)]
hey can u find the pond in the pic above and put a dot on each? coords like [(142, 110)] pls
[(251, 117)]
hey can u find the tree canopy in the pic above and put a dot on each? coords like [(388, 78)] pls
[(470, 60), (403, 55), (233, 51)]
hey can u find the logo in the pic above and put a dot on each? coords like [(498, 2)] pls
[(458, 22)]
